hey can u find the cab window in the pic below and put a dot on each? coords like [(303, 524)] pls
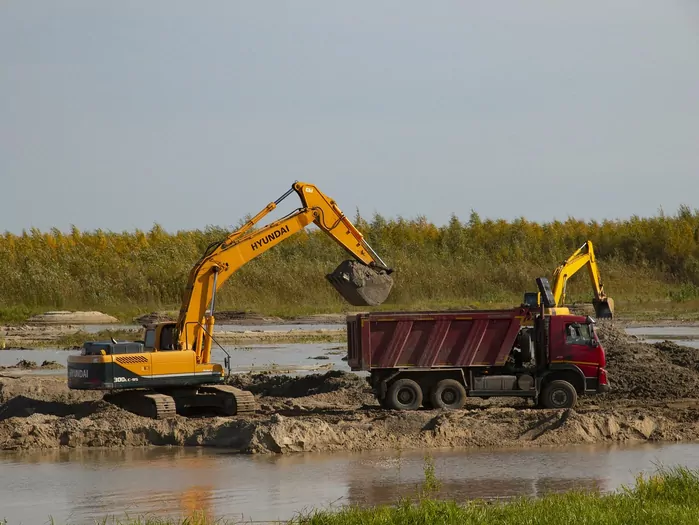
[(149, 341), (578, 334)]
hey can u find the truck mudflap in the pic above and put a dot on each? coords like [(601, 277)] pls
[(603, 385), (359, 284)]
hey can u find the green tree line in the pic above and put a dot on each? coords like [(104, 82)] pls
[(463, 263)]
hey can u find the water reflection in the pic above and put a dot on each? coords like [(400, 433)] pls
[(84, 485)]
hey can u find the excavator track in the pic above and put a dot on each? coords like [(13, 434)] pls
[(144, 403), (231, 401)]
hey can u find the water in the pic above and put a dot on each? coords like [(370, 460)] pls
[(86, 485), (682, 335), (294, 356), (669, 332)]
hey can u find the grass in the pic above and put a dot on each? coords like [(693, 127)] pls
[(670, 495)]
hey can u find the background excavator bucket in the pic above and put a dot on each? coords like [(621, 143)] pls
[(359, 284), (604, 308)]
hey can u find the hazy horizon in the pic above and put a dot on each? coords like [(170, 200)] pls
[(122, 115)]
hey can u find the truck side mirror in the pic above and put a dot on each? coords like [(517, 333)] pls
[(595, 344)]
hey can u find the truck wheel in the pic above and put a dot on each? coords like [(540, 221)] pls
[(559, 394), (404, 394), (448, 393)]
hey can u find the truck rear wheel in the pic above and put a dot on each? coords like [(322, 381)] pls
[(559, 394), (448, 393), (404, 394)]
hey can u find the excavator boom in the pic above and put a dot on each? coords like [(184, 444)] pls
[(366, 281)]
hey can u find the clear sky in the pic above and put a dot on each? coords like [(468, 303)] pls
[(116, 115)]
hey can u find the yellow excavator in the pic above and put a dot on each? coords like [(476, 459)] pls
[(171, 370), (582, 257)]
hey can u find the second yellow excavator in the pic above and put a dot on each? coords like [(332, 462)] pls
[(171, 370), (582, 257)]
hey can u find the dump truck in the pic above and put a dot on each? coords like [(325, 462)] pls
[(436, 359)]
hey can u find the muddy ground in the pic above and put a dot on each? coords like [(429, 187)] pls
[(655, 387)]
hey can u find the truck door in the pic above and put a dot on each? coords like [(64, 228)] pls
[(573, 342)]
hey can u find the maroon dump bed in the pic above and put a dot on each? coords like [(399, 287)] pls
[(465, 338)]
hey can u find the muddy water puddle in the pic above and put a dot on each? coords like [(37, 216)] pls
[(82, 486), (682, 335)]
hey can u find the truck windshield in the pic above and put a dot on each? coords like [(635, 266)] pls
[(578, 334)]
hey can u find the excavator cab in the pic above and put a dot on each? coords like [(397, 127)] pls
[(531, 299)]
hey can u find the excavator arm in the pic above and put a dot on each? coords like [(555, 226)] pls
[(367, 283), (583, 257)]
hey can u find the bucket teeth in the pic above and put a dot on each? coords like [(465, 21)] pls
[(359, 284)]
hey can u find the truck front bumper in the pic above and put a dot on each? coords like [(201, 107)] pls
[(603, 389)]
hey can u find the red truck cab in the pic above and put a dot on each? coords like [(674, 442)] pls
[(438, 359)]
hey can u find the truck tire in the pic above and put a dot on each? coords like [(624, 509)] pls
[(559, 394), (449, 394), (404, 394)]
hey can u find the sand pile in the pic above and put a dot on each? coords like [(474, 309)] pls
[(648, 371)]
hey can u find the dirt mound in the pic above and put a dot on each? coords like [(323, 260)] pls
[(51, 365), (24, 364), (22, 406), (66, 317), (645, 371), (267, 385), (44, 389), (322, 412), (684, 356), (154, 317), (320, 319), (251, 318)]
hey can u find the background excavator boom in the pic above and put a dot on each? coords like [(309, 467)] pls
[(583, 257)]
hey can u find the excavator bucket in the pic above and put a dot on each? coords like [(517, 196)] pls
[(360, 284), (604, 308)]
